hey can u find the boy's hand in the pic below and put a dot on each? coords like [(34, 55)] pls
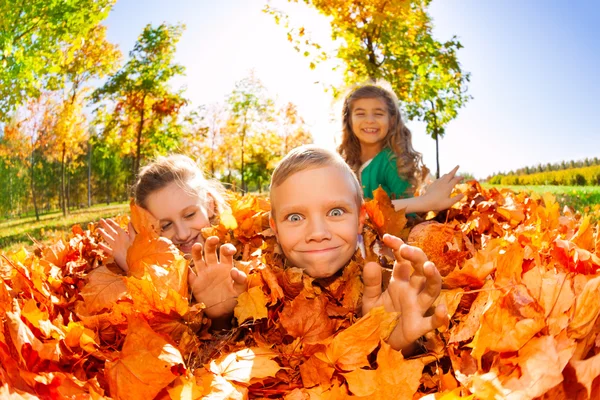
[(438, 193), (216, 282), (118, 241), (409, 294)]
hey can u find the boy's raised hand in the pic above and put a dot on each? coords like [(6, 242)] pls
[(438, 193), (215, 281), (118, 241), (411, 293)]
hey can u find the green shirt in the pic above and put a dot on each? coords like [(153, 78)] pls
[(382, 170)]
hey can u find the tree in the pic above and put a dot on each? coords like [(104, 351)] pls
[(145, 103), (292, 128), (249, 108), (391, 40), (27, 137), (32, 35), (203, 136)]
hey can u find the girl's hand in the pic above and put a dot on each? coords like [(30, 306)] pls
[(437, 196), (215, 281), (118, 241), (409, 294)]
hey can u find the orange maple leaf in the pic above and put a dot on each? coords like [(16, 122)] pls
[(511, 321), (251, 305), (394, 378), (350, 348), (103, 289), (145, 365), (384, 216), (307, 318), (143, 221)]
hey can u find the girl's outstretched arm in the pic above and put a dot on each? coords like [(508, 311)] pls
[(437, 197)]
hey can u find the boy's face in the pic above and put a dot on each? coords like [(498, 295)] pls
[(317, 219)]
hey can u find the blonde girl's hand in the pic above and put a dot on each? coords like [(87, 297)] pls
[(414, 286), (214, 280), (437, 196), (118, 241)]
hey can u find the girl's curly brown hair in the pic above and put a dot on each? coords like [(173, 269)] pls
[(398, 139)]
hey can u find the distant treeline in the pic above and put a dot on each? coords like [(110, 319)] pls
[(582, 176)]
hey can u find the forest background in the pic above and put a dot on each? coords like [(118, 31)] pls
[(80, 112)]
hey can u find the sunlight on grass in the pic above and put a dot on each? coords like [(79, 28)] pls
[(51, 227)]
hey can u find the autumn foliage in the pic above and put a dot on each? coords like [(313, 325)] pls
[(521, 286)]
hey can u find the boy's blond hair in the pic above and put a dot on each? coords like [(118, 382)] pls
[(309, 157)]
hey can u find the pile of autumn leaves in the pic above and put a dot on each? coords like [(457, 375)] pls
[(520, 284)]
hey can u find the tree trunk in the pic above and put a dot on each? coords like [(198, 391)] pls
[(437, 157), (138, 150), (243, 141), (62, 180), (67, 201), (89, 174), (33, 196)]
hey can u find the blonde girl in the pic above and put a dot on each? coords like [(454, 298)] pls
[(174, 190)]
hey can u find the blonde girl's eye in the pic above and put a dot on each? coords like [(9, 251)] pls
[(166, 226), (294, 218), (190, 215), (336, 212)]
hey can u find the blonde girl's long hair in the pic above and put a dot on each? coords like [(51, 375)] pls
[(398, 139)]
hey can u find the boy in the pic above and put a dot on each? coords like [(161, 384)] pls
[(317, 215)]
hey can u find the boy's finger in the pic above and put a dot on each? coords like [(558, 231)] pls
[(415, 255), (226, 253), (372, 280), (432, 285), (240, 281), (210, 250), (439, 317)]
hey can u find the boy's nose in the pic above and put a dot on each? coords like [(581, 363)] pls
[(318, 231)]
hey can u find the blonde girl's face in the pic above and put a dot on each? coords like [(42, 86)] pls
[(181, 214), (370, 121)]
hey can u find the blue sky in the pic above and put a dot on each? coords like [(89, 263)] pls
[(533, 66)]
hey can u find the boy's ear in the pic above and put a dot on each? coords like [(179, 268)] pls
[(272, 223), (362, 217)]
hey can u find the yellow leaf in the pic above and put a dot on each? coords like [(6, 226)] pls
[(246, 365), (251, 305)]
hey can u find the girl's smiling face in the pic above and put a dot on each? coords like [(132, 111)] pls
[(370, 121), (181, 214)]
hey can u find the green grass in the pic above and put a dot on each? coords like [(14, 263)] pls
[(15, 233), (580, 198)]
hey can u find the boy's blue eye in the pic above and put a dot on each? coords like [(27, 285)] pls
[(294, 217), (336, 212)]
